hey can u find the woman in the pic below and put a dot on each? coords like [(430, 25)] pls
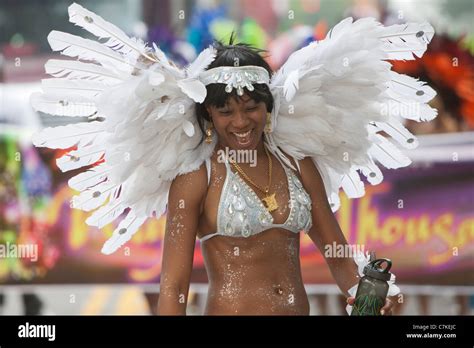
[(261, 273), (332, 100)]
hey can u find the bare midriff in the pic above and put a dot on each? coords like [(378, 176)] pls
[(256, 275)]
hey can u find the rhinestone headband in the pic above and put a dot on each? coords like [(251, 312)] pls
[(236, 77)]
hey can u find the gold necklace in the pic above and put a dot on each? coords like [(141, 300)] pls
[(270, 201)]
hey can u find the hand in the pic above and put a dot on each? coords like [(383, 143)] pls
[(387, 309)]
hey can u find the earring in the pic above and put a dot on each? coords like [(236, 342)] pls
[(208, 139), (268, 125)]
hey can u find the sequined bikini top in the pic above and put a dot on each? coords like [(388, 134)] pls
[(241, 213)]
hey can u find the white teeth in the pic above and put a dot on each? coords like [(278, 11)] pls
[(243, 135)]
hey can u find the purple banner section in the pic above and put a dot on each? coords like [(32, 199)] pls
[(421, 217)]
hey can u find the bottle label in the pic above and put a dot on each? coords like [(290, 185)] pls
[(369, 304)]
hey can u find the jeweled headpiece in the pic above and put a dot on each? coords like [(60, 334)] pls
[(236, 77)]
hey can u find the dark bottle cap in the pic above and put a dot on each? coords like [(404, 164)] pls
[(373, 269)]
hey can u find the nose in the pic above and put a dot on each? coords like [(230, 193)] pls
[(240, 120)]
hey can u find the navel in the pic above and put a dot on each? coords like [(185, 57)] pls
[(278, 289)]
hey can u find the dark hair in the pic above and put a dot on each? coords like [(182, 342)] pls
[(228, 55)]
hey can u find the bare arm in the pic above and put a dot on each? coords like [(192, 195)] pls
[(184, 202), (326, 229)]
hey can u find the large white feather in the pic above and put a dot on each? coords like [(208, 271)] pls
[(407, 87), (89, 178), (68, 105), (420, 33), (63, 137), (96, 25), (353, 185), (106, 214), (405, 41), (123, 233), (79, 70), (61, 86), (406, 108), (397, 131), (372, 172), (387, 153), (85, 49), (93, 198), (202, 61), (193, 88), (291, 85), (82, 157)]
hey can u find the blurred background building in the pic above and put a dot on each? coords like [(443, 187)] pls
[(422, 217)]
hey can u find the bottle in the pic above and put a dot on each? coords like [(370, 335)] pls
[(372, 289)]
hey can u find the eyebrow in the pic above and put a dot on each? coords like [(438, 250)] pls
[(226, 105), (248, 100)]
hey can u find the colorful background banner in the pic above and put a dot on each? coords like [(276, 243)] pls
[(421, 217)]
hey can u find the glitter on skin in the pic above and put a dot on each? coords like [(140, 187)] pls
[(247, 282)]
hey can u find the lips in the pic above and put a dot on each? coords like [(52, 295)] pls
[(242, 135), (243, 138)]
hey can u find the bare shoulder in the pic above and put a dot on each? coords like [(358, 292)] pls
[(314, 185), (306, 166), (312, 179), (191, 186), (293, 162)]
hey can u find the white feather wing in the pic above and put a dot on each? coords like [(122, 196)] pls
[(144, 131), (333, 97)]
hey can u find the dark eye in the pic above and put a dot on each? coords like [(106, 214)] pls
[(225, 112), (251, 108)]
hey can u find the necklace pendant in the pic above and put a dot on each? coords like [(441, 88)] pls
[(271, 203)]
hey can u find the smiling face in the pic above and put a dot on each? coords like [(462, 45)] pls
[(230, 113), (239, 123)]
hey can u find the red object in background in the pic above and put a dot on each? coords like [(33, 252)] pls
[(320, 30), (450, 69), (11, 51), (262, 12)]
